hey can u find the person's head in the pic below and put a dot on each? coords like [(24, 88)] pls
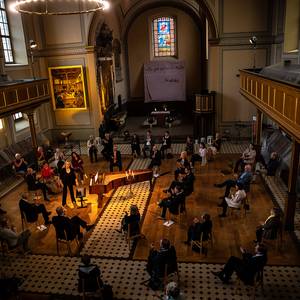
[(29, 170), (18, 156), (115, 147), (187, 170), (183, 155), (45, 165), (85, 259), (68, 164), (251, 147), (60, 211), (188, 139), (134, 210), (217, 135), (148, 133), (202, 145), (134, 135), (57, 150), (196, 220), (239, 186), (165, 244), (74, 155), (106, 135), (275, 211), (172, 290), (167, 133), (24, 195), (274, 155), (260, 249), (154, 148), (91, 137), (40, 149), (206, 217), (248, 168)]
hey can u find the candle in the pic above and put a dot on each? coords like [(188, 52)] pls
[(126, 175), (132, 175), (91, 181)]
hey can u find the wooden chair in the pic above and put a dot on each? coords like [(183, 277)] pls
[(81, 194), (278, 241), (6, 251), (97, 293), (133, 234), (203, 245), (26, 223), (258, 282), (60, 240), (168, 274), (240, 210)]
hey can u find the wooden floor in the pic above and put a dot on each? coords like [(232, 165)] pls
[(229, 233)]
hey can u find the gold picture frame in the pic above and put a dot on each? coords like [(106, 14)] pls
[(67, 87)]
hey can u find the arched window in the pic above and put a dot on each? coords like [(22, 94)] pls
[(164, 36), (5, 34)]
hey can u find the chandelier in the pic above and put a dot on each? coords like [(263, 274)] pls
[(58, 7)]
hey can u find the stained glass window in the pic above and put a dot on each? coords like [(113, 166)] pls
[(5, 36), (164, 36)]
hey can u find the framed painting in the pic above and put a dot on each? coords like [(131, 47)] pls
[(67, 87)]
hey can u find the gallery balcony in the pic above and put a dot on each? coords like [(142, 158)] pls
[(22, 95), (276, 92)]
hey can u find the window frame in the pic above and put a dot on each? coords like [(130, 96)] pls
[(153, 37), (9, 37)]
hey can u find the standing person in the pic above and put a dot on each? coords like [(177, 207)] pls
[(201, 156), (182, 163), (107, 143), (166, 144), (148, 143), (189, 146), (115, 159), (92, 148), (77, 164), (135, 145), (155, 160), (68, 179)]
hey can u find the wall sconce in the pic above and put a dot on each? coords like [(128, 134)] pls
[(253, 42), (32, 45)]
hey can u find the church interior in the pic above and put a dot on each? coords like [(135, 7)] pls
[(149, 149)]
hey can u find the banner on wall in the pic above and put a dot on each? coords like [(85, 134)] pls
[(164, 81)]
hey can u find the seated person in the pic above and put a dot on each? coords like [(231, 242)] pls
[(166, 144), (203, 226), (269, 229), (135, 145), (179, 181), (13, 239), (19, 164), (248, 157), (272, 164), (188, 181), (155, 160), (107, 143), (201, 156), (158, 259), (47, 173), (33, 184), (89, 276), (173, 202), (148, 145), (189, 146), (32, 210), (235, 200), (245, 268), (59, 160), (115, 159), (134, 217), (182, 163), (245, 179), (71, 226)]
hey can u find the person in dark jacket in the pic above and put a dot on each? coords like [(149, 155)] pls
[(33, 184), (188, 181), (173, 202), (107, 143), (133, 218), (155, 160), (158, 259), (272, 164), (115, 159), (71, 226), (32, 210), (269, 229), (135, 145), (245, 268), (166, 144), (68, 178)]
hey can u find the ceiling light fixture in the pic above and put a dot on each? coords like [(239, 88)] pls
[(58, 7)]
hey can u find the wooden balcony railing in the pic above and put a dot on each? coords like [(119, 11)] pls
[(20, 95), (277, 99)]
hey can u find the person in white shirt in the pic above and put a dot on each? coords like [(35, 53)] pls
[(202, 156), (92, 148), (235, 200), (148, 145), (248, 157)]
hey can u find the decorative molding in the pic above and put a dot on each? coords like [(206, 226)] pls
[(82, 50)]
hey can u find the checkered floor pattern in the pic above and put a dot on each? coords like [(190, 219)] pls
[(125, 149), (58, 276), (105, 241), (140, 164)]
